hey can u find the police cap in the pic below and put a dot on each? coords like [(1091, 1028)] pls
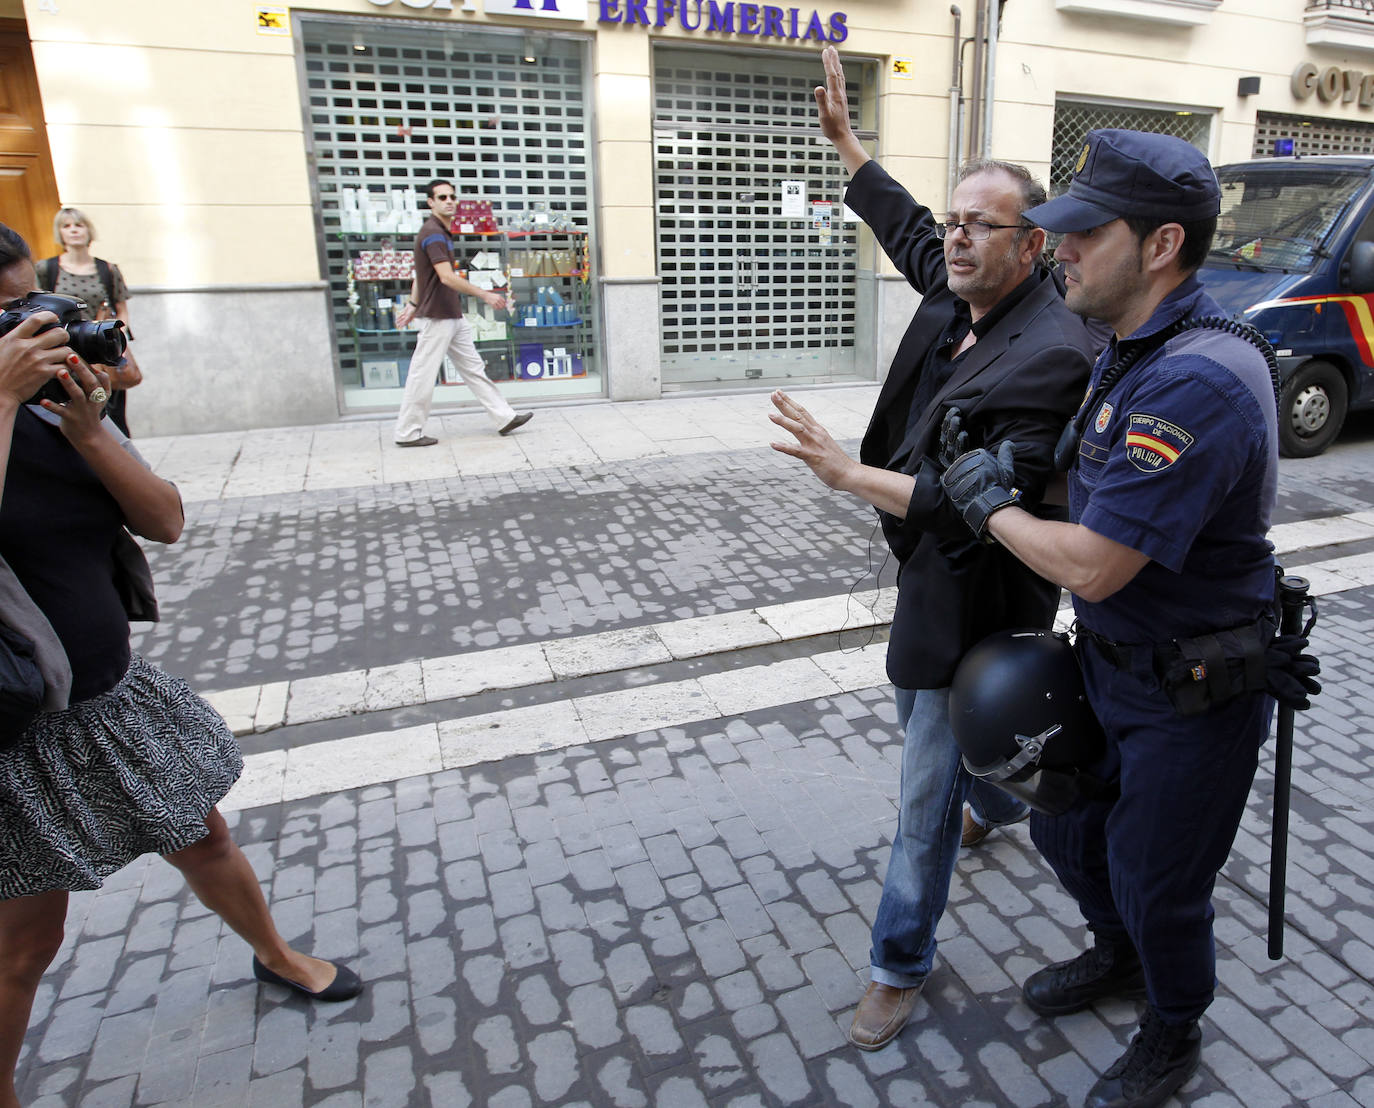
[(1122, 173)]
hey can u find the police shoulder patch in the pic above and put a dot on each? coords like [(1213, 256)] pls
[(1104, 417), (1153, 444)]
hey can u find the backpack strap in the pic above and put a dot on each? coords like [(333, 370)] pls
[(47, 273), (103, 271)]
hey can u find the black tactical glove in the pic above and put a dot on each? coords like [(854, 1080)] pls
[(978, 483), (953, 438), (1290, 674)]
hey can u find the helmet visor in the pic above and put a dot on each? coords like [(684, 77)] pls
[(1049, 791)]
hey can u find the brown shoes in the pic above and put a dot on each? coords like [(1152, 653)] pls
[(517, 421), (882, 1013), (975, 832)]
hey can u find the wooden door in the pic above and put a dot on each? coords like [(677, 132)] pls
[(28, 187)]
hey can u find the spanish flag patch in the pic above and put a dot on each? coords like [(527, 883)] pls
[(1153, 444)]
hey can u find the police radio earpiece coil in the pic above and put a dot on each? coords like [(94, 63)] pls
[(1066, 449)]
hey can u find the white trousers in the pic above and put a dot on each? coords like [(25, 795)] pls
[(454, 338)]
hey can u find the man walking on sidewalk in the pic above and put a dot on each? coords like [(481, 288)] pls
[(992, 353), (436, 300)]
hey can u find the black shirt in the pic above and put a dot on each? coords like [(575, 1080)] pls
[(939, 365), (58, 526)]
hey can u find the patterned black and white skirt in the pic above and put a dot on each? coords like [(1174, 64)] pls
[(129, 772)]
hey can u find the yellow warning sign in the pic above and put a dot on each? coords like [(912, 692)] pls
[(902, 69), (273, 21)]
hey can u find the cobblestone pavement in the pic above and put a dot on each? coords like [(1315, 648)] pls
[(677, 916), (355, 578)]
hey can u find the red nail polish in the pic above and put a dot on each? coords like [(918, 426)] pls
[(73, 359)]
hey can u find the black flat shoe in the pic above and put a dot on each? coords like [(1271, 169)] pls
[(345, 986)]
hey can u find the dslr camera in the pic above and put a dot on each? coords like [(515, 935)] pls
[(98, 342)]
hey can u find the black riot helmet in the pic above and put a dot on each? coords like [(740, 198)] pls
[(1021, 717)]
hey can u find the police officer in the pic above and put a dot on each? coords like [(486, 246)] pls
[(1172, 482)]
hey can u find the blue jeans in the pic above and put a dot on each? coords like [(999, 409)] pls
[(929, 824)]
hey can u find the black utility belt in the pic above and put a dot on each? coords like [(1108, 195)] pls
[(1198, 673)]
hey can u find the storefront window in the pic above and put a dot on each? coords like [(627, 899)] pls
[(392, 105)]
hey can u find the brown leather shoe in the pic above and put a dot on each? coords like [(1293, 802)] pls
[(882, 1013), (974, 832), (517, 421)]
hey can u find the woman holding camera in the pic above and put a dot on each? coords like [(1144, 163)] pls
[(77, 272), (124, 760)]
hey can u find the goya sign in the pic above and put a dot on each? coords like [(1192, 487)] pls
[(1333, 84)]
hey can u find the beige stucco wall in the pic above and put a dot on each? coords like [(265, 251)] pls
[(179, 130)]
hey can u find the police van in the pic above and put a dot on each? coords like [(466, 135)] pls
[(1294, 257)]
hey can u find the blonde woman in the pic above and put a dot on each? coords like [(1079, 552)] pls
[(77, 272)]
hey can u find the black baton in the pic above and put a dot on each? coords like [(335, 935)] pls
[(1292, 599)]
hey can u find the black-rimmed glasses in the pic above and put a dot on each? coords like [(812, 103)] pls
[(976, 229)]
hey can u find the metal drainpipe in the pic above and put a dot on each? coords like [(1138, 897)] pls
[(956, 91), (975, 101), (989, 77)]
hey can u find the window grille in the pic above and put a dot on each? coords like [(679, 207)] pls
[(736, 278), (1311, 136), (391, 107), (1073, 119)]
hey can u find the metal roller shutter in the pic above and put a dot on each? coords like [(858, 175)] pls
[(1311, 136), (746, 294), (393, 105)]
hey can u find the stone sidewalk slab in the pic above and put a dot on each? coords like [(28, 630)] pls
[(357, 453), (254, 709)]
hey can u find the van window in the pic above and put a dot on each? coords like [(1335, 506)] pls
[(1281, 218), (1366, 231)]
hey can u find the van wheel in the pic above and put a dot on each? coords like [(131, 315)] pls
[(1312, 410)]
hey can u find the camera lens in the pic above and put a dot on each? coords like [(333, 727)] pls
[(100, 343)]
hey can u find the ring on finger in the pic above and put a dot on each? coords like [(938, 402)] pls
[(98, 395)]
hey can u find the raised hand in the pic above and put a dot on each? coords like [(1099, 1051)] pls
[(832, 99)]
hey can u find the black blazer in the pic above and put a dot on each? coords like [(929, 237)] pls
[(1021, 381)]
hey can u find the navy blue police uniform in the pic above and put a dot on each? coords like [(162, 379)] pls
[(1174, 455), (1178, 461)]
